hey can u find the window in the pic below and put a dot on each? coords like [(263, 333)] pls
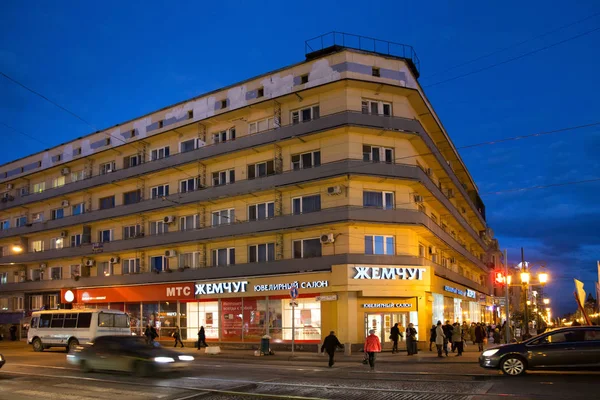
[(105, 236), (107, 202), (132, 161), (37, 302), (190, 114), (303, 79), (159, 153), (378, 154), (135, 196), (57, 213), (113, 320), (58, 181), (383, 200), (37, 217), (222, 257), (24, 191), (76, 240), (4, 225), (306, 204), (107, 168), (261, 169), (18, 303), (261, 211), (105, 268), (591, 335), (77, 151), (223, 217), (53, 301), (161, 123), (260, 92), (3, 278), (224, 136), (189, 185), (159, 191), (36, 274), (224, 103), (21, 221), (159, 263), (305, 114), (77, 176), (306, 160), (75, 270), (84, 320), (39, 187), (37, 245), (376, 107), (132, 231), (189, 260), (56, 273), (261, 125), (57, 320), (189, 222), (56, 243), (261, 252), (379, 245), (307, 248), (131, 266), (375, 72), (188, 145), (78, 209), (421, 250), (158, 227), (71, 320), (223, 177)]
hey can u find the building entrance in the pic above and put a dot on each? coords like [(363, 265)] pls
[(383, 323)]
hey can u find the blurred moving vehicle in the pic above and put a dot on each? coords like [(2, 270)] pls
[(68, 328), (127, 354), (2, 360), (562, 348)]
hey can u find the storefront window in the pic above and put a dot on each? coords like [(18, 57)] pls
[(474, 314), (133, 309), (231, 320), (438, 309), (167, 317), (206, 314), (275, 320), (150, 315), (117, 306), (458, 313), (307, 319), (449, 309), (254, 315)]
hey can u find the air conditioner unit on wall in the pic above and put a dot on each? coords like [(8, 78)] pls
[(418, 198), (9, 186), (452, 260), (327, 238), (115, 260), (170, 253), (334, 190), (64, 203), (65, 171), (432, 250), (43, 266), (64, 234), (169, 219), (89, 263)]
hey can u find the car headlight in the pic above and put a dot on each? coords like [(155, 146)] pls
[(489, 353), (186, 358), (2, 357), (163, 360)]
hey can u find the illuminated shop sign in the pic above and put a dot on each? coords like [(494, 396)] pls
[(389, 273), (387, 305), (454, 290), (471, 293), (221, 287), (86, 297), (288, 286)]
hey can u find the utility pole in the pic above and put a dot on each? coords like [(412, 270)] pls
[(526, 315), (507, 299)]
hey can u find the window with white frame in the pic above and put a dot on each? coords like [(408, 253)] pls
[(3, 278), (189, 185), (376, 107), (76, 240), (4, 225), (222, 257), (37, 217), (57, 213), (264, 252), (162, 152), (130, 266), (105, 268), (421, 250), (306, 160), (105, 235), (306, 204), (261, 125), (132, 231), (53, 301), (57, 243), (107, 168), (306, 248), (159, 191), (35, 274), (378, 154), (78, 209), (37, 245), (39, 187), (223, 217), (56, 273), (75, 270), (261, 169), (159, 263), (378, 244), (77, 175), (21, 221), (189, 260), (3, 302), (383, 200), (36, 302), (305, 114), (132, 161), (261, 211), (189, 145), (189, 222), (223, 177), (58, 181), (224, 136), (18, 303), (158, 227)]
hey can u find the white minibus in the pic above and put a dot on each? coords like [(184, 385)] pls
[(68, 328)]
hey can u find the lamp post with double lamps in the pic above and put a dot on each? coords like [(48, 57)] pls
[(526, 282)]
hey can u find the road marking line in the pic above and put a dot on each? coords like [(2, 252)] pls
[(43, 366), (37, 394), (108, 390)]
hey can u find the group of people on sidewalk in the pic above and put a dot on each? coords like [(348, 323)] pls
[(151, 334), (456, 335)]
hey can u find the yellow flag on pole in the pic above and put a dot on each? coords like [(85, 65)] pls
[(580, 292)]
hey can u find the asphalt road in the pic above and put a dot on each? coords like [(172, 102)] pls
[(46, 375)]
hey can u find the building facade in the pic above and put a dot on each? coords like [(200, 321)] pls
[(334, 173)]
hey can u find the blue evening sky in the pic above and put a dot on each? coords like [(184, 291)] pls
[(112, 61)]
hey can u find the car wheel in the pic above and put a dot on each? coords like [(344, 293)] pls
[(72, 344), (513, 366), (37, 345), (85, 367)]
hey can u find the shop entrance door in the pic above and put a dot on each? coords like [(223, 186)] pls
[(383, 323)]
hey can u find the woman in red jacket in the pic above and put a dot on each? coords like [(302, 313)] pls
[(372, 346)]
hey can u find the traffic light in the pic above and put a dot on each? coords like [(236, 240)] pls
[(499, 278)]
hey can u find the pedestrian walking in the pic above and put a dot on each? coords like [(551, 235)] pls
[(480, 335), (440, 339), (331, 343), (13, 332), (148, 334), (411, 339), (447, 336), (372, 346), (201, 338), (472, 332), (497, 337), (394, 337), (457, 339), (432, 336), (177, 336)]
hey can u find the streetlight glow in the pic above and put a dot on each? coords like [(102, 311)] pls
[(17, 249), (546, 301), (525, 277), (509, 279), (543, 277)]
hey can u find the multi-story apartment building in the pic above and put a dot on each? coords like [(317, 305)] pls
[(334, 174)]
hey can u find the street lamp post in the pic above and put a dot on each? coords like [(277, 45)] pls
[(525, 281)]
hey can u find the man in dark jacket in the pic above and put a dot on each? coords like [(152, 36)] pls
[(330, 343), (448, 328), (394, 336)]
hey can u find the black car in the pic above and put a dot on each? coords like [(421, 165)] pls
[(127, 354), (562, 348)]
